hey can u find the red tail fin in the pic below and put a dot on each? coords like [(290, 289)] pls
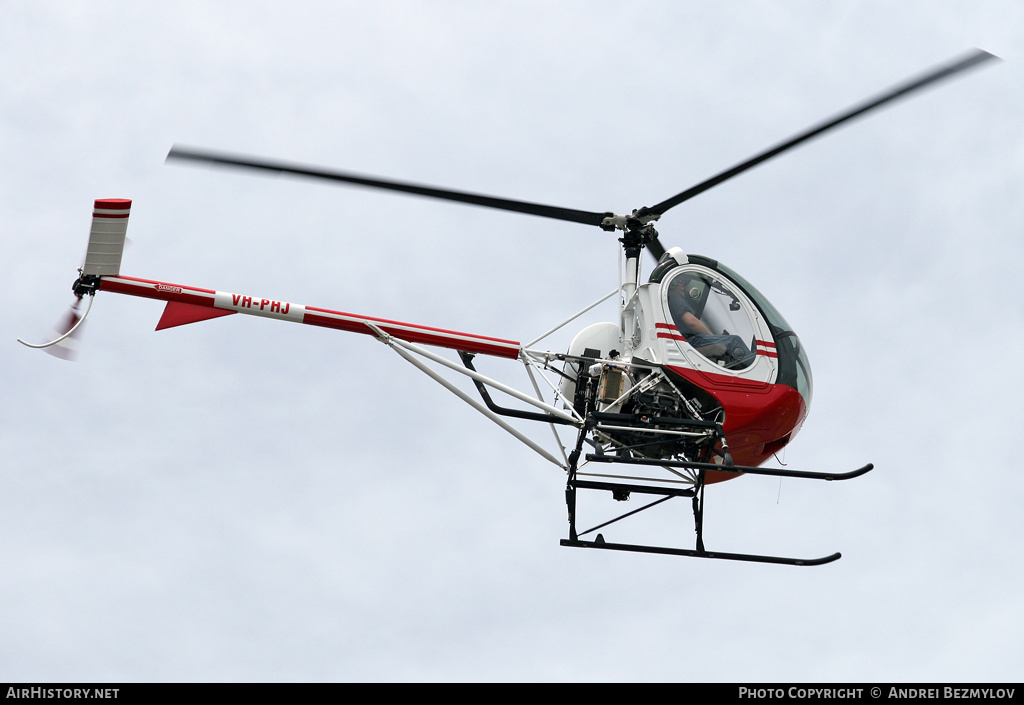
[(179, 314)]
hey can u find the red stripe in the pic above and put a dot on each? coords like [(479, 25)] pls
[(155, 283), (384, 321), (113, 204), (673, 332), (109, 215), (476, 345), (673, 336), (765, 343), (169, 292)]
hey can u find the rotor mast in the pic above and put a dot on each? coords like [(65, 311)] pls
[(638, 234)]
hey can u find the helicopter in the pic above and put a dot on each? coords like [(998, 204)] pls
[(699, 381)]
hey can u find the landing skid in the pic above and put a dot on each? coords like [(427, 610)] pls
[(693, 553), (695, 492), (738, 469)]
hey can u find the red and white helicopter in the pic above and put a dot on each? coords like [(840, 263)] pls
[(700, 380)]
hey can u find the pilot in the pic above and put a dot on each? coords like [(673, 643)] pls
[(684, 295)]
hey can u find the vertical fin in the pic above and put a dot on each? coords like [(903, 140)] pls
[(106, 239), (177, 313)]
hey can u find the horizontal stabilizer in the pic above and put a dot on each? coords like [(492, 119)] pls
[(179, 314)]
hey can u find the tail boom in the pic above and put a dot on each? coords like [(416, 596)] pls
[(187, 304)]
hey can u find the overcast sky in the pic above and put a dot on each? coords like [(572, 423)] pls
[(244, 499)]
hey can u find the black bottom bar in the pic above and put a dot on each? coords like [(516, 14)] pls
[(701, 554)]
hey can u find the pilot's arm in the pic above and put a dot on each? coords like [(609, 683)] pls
[(694, 324)]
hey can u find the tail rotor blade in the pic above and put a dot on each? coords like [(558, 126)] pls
[(66, 348), (65, 344)]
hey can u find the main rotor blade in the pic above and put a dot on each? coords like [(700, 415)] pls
[(971, 59), (656, 248), (572, 215)]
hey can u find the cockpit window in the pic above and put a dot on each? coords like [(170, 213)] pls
[(709, 315), (794, 368)]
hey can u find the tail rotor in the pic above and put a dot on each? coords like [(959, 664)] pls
[(68, 331), (102, 258)]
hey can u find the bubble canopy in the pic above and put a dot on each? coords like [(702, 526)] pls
[(794, 367)]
